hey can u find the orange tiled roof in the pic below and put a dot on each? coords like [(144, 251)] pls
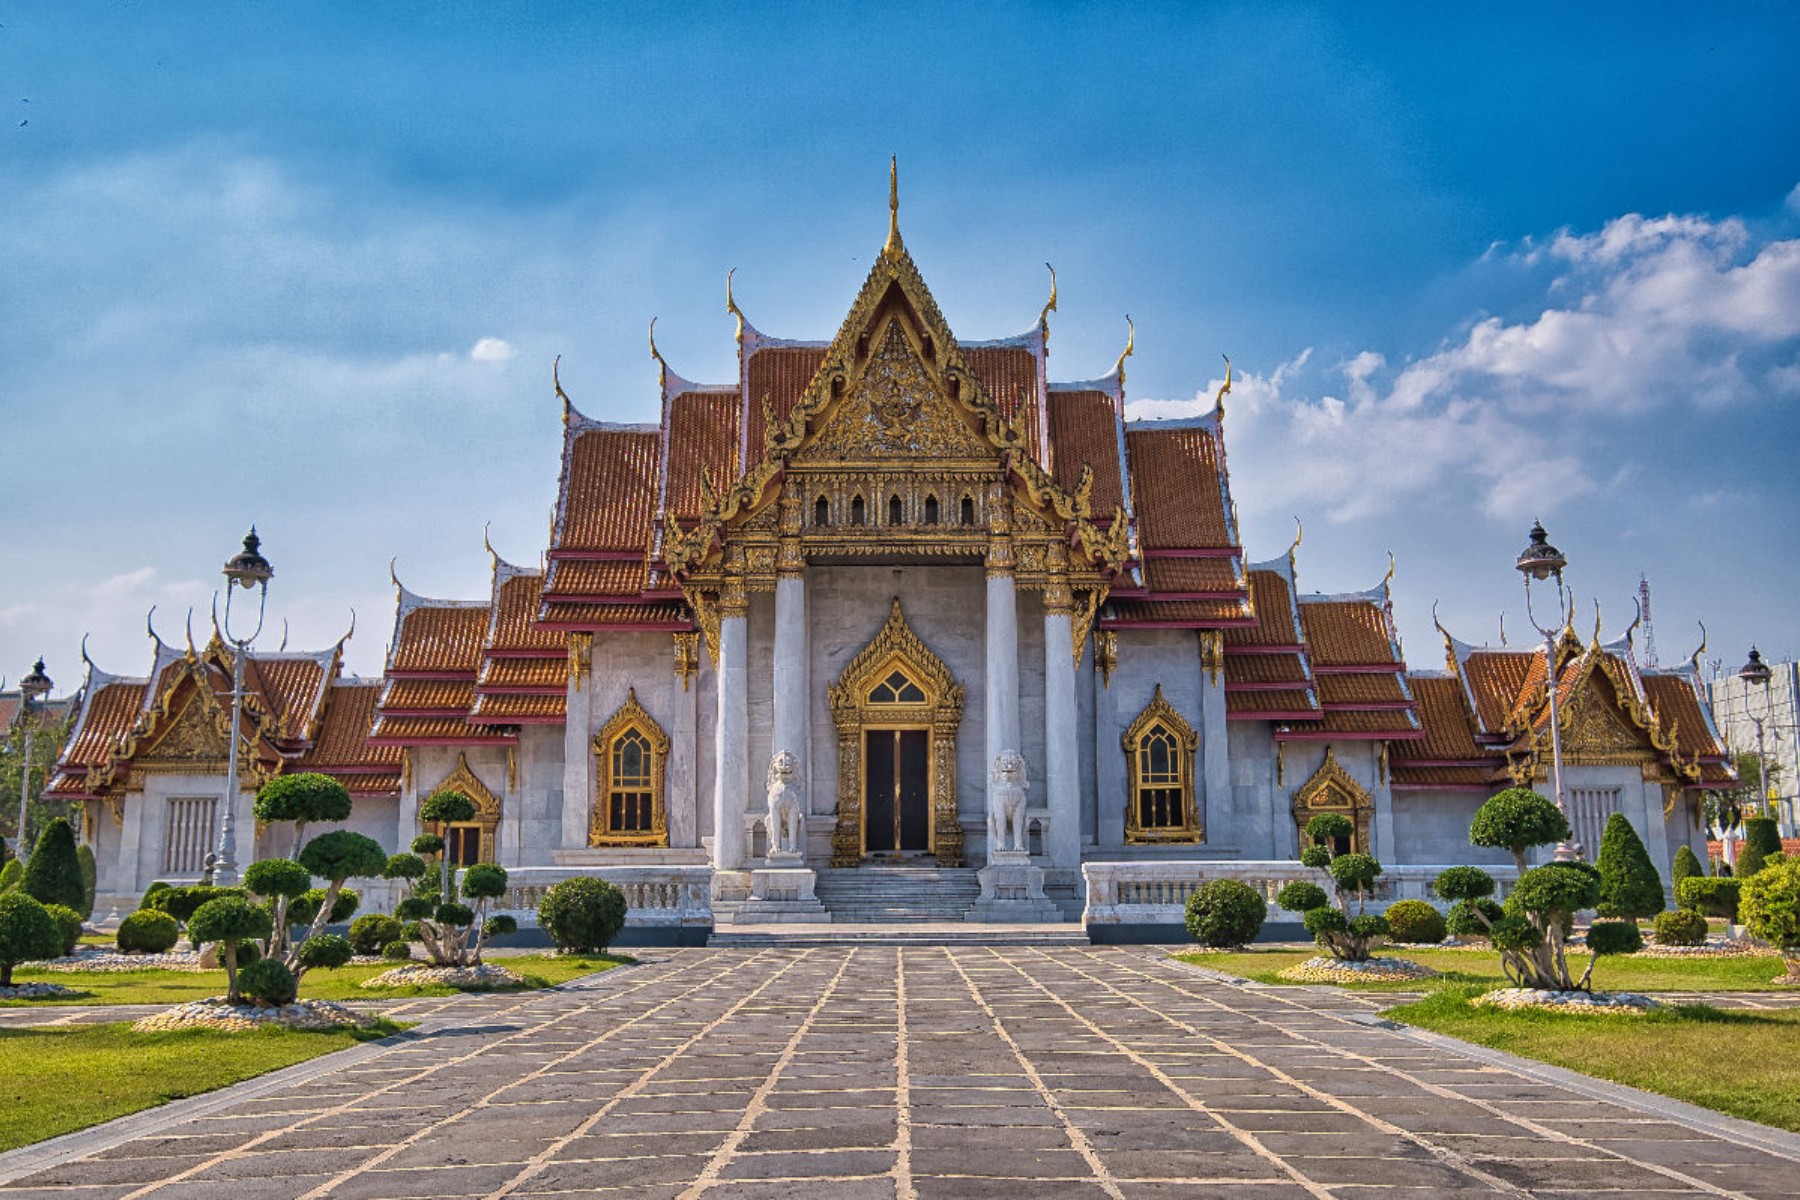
[(608, 499), (1264, 668), (1084, 431), (107, 717), (1346, 632), (512, 709), (513, 626), (782, 374), (596, 577), (1176, 482), (1360, 689), (343, 739), (1358, 721), (1496, 680), (292, 687), (1271, 700), (702, 437), (1192, 575), (427, 696), (1009, 375), (1177, 613), (1275, 621), (429, 730), (617, 616), (386, 783), (440, 639), (1678, 711), (537, 673), (1405, 775), (1448, 723)]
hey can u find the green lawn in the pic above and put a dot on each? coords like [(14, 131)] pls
[(1740, 1063), (59, 1080), (1467, 968), (172, 987)]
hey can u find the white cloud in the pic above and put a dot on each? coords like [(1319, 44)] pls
[(491, 350)]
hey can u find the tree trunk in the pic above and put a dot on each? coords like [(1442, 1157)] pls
[(322, 918), (231, 992)]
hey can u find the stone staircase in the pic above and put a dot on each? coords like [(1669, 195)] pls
[(898, 895)]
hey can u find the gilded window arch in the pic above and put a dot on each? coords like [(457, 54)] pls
[(896, 510), (630, 753), (857, 509), (1332, 789), (931, 509), (822, 511), (968, 509), (468, 841), (1160, 801)]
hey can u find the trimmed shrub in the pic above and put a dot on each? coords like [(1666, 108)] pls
[(1324, 920), (11, 874), (414, 909), (410, 930), (447, 807), (327, 951), (147, 932), (1369, 925), (268, 981), (499, 925), (1770, 908), (53, 873), (183, 902), (459, 915), (304, 908), (341, 855), (1315, 856), (1679, 927), (68, 925), (1629, 884), (1686, 866), (1220, 912), (1713, 895), (272, 877), (1614, 937), (405, 866), (397, 951), (90, 876), (229, 920), (428, 843), (27, 932), (153, 889), (1415, 923), (368, 934), (1465, 918), (1301, 896), (1762, 840), (1463, 883), (1516, 820), (585, 914), (302, 798)]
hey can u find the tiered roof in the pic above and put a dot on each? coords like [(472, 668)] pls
[(523, 675), (432, 665)]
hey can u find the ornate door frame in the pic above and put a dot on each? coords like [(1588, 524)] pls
[(896, 647)]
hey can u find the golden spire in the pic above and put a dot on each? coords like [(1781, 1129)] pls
[(732, 308), (556, 382), (1224, 389), (893, 238), (1050, 304), (1694, 658), (1388, 579), (487, 543), (1130, 348), (1299, 532), (393, 575), (662, 368)]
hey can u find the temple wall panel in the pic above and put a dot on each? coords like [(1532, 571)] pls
[(1169, 658), (1433, 827), (625, 662), (1262, 828), (535, 820)]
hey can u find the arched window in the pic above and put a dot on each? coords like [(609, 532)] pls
[(1159, 754), (968, 510), (931, 510), (1332, 789), (629, 752), (821, 511), (856, 511), (896, 511)]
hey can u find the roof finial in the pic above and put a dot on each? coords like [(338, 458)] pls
[(1503, 641), (84, 654), (1694, 658), (1299, 532), (190, 632), (1219, 400), (1130, 348), (392, 575), (556, 381), (1596, 638), (732, 308), (662, 368), (1050, 304), (1388, 579), (348, 633), (284, 636), (488, 544), (893, 239)]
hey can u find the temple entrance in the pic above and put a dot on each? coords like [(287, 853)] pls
[(897, 791)]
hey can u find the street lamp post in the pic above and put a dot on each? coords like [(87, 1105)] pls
[(32, 688), (1540, 561), (1756, 673), (249, 569)]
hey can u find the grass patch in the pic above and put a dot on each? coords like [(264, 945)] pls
[(1467, 968), (60, 1080), (1739, 1063), (174, 987)]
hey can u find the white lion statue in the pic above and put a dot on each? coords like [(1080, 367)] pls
[(785, 823), (1006, 803)]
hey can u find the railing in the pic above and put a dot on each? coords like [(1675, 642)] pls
[(654, 895), (1156, 893)]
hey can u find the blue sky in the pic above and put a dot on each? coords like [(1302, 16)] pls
[(308, 265)]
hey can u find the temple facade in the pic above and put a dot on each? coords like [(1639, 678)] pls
[(895, 556)]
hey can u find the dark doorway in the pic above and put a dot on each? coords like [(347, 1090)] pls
[(897, 791)]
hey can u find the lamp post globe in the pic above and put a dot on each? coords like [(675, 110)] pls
[(1541, 561), (248, 569), (33, 688)]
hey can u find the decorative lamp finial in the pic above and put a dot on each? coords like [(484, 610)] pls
[(1755, 671), (248, 567), (1540, 560), (36, 685)]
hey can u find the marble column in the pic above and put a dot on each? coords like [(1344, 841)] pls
[(792, 691), (1212, 790), (731, 756), (1002, 672), (1062, 757), (578, 755)]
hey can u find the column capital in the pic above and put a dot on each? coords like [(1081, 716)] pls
[(1000, 557)]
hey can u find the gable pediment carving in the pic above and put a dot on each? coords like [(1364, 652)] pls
[(192, 737), (895, 409)]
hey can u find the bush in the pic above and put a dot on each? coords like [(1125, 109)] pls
[(1416, 923), (153, 889), (305, 907), (1327, 827), (27, 932), (585, 914), (183, 902), (1630, 886), (409, 930), (499, 925), (302, 798), (341, 855), (1369, 925), (1315, 856), (1762, 840), (1354, 872), (53, 873), (1679, 927), (68, 925), (397, 951), (90, 876), (11, 874), (1463, 883), (272, 877), (1686, 866), (1516, 820), (404, 866), (368, 934), (428, 843), (1614, 937), (147, 932), (1770, 907), (1713, 895), (1324, 920), (414, 909), (453, 914), (325, 951), (1301, 896), (447, 806), (269, 981), (1465, 917)]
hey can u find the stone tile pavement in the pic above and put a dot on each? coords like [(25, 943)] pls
[(902, 1072)]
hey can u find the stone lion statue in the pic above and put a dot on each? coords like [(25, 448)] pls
[(785, 823), (1006, 802)]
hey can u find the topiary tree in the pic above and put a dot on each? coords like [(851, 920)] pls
[(326, 951), (369, 933), (1516, 820), (445, 933), (335, 857), (1687, 865), (27, 933), (153, 889), (268, 981), (182, 902), (499, 925), (1629, 884), (229, 920), (90, 876), (147, 932), (1224, 912), (445, 807), (1762, 841), (1611, 937), (1713, 895), (397, 951), (53, 873), (582, 915), (306, 906), (11, 874), (1679, 927), (1770, 909), (302, 799), (1415, 923), (1347, 936), (68, 926), (279, 882), (1531, 931)]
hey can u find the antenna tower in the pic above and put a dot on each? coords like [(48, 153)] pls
[(1649, 626)]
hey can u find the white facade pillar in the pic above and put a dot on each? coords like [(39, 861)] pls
[(731, 757), (578, 759), (1212, 790), (1002, 675), (1062, 758), (792, 689)]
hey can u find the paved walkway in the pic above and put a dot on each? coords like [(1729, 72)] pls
[(913, 1072)]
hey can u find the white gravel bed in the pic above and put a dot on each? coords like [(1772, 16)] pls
[(484, 976), (1624, 1003), (1323, 969), (1717, 945), (35, 991), (214, 1013), (87, 959)]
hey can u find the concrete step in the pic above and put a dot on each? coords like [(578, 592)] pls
[(898, 894), (948, 933)]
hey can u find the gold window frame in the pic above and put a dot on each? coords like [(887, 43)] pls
[(462, 778), (631, 717), (1159, 713), (1332, 789)]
